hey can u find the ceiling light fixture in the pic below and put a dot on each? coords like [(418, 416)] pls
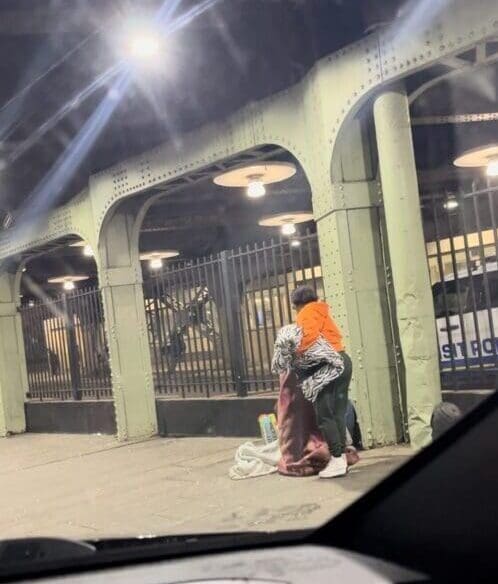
[(88, 251), (492, 168), (482, 157), (288, 229), (286, 221), (256, 188), (156, 258), (68, 282), (155, 263), (451, 203), (255, 177)]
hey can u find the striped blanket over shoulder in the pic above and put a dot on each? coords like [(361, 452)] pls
[(316, 367)]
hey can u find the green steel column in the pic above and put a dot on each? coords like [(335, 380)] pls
[(120, 279), (347, 214), (13, 377), (412, 289)]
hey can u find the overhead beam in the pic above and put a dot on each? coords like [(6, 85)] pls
[(481, 53), (438, 176), (458, 66), (455, 62), (455, 119)]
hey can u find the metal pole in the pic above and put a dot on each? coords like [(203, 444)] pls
[(412, 290), (72, 348), (232, 309)]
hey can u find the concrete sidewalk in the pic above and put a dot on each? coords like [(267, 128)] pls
[(93, 486)]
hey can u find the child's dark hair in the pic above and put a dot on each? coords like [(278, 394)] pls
[(303, 295)]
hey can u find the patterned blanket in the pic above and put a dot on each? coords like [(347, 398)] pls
[(316, 367), (304, 452)]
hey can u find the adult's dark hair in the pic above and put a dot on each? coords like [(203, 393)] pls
[(303, 295)]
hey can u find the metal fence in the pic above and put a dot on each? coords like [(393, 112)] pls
[(66, 351), (462, 252), (212, 322)]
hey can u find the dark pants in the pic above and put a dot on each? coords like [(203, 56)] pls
[(330, 409)]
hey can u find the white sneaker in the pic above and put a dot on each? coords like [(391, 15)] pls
[(337, 467)]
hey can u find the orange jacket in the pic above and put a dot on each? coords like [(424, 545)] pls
[(314, 320)]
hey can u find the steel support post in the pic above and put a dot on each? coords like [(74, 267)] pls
[(72, 346), (231, 300), (412, 289), (13, 376), (347, 213), (126, 330)]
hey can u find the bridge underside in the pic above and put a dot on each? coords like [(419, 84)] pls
[(347, 126)]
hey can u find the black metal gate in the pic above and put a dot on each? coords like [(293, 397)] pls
[(65, 347), (462, 249), (212, 322)]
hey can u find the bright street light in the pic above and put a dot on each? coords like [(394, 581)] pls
[(68, 285), (145, 45)]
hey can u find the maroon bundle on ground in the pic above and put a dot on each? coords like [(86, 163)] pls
[(304, 451)]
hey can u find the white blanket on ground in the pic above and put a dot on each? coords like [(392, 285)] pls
[(255, 460)]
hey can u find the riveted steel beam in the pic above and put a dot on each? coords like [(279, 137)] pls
[(355, 282), (412, 289), (485, 53), (455, 119), (120, 279)]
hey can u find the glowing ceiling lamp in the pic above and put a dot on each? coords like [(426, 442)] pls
[(68, 282), (287, 222), (88, 251), (482, 157), (156, 263), (288, 229), (256, 176), (256, 188), (451, 203), (492, 168), (156, 258)]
